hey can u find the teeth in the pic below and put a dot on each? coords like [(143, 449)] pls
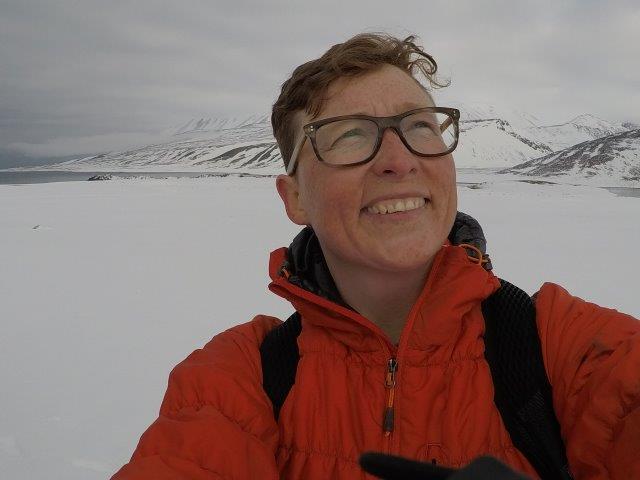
[(396, 205)]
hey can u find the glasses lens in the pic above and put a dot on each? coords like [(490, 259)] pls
[(346, 141), (430, 133)]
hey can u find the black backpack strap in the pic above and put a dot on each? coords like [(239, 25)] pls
[(279, 355), (522, 389)]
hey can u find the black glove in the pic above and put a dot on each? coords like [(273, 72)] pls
[(389, 467)]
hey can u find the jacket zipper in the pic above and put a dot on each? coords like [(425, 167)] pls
[(390, 384)]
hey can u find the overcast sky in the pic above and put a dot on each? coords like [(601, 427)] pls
[(89, 76)]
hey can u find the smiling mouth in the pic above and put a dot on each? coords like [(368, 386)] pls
[(400, 205)]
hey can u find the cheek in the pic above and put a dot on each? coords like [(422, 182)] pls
[(451, 194), (321, 203), (444, 190), (332, 197), (445, 175)]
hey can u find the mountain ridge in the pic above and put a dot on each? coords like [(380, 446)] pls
[(488, 139), (614, 157)]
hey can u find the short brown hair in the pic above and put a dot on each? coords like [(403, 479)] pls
[(365, 52)]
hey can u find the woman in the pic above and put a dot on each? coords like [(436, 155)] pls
[(391, 349)]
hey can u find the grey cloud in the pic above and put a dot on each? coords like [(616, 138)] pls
[(115, 71)]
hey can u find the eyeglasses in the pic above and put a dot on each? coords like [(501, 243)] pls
[(352, 140)]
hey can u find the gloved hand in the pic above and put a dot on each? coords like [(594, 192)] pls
[(389, 467)]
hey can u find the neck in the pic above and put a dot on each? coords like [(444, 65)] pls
[(383, 297)]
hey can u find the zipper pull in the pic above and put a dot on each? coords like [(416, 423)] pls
[(390, 383)]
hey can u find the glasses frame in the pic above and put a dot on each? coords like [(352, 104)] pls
[(383, 123)]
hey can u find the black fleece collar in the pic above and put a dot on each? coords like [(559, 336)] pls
[(308, 268)]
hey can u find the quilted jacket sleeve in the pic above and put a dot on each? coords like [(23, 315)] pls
[(215, 421), (592, 356)]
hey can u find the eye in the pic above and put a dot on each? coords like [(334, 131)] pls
[(351, 134), (422, 125), (354, 132)]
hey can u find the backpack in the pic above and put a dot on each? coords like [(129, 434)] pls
[(514, 353)]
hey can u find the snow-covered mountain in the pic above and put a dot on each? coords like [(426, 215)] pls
[(206, 144), (483, 111), (197, 155), (216, 124), (611, 160), (581, 129), (494, 142), (489, 138), (492, 137)]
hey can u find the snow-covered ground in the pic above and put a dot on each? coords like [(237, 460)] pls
[(105, 286)]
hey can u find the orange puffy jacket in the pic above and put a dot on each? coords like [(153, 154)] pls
[(216, 421)]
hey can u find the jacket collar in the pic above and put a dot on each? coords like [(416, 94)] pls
[(300, 274), (308, 269)]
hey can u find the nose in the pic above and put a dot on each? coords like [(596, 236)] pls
[(393, 157)]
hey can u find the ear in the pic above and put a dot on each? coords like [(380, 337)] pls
[(289, 191)]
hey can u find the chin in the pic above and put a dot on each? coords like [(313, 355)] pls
[(410, 260)]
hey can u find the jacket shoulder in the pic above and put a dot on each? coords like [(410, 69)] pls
[(213, 408), (232, 356), (569, 327), (592, 358)]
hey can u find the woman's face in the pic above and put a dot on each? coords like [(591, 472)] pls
[(336, 201)]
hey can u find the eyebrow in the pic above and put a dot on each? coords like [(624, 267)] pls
[(406, 106)]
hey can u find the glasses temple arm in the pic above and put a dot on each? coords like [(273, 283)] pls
[(446, 124), (291, 167)]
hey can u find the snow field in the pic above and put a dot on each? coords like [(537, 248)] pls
[(123, 279)]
